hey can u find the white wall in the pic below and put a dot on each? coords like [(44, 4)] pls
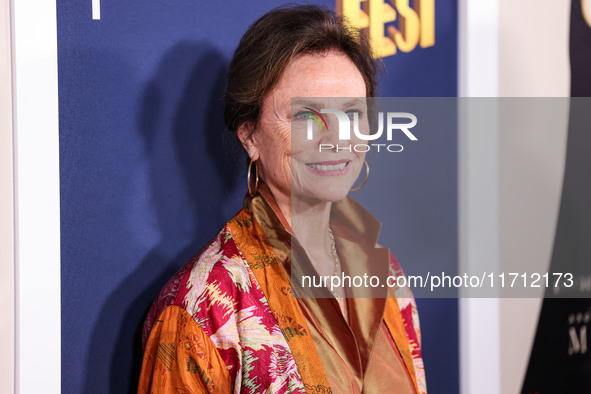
[(478, 194), (533, 62), (37, 205), (533, 48), (509, 48), (6, 209)]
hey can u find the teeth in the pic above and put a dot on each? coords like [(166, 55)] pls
[(329, 167)]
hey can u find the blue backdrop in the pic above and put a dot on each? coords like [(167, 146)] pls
[(148, 174)]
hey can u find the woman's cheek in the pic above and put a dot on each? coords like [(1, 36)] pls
[(283, 149), (286, 166)]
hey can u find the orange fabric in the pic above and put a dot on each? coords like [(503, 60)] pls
[(272, 278), (357, 225), (270, 275), (346, 348), (343, 358), (393, 320), (393, 373), (181, 358)]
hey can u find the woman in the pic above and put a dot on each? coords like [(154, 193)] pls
[(228, 321)]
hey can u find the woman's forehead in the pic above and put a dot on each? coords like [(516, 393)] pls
[(330, 74)]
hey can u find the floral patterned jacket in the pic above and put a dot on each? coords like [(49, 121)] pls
[(226, 322)]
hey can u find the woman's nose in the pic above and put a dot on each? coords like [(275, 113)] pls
[(338, 130)]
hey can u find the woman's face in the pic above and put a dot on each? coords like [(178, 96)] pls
[(290, 163)]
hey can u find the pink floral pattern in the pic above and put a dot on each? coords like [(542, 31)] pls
[(219, 290)]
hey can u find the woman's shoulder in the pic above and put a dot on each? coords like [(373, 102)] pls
[(216, 304), (217, 269)]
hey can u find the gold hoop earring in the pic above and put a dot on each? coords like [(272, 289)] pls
[(366, 176), (256, 179)]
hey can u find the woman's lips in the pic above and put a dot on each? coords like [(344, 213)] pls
[(330, 168)]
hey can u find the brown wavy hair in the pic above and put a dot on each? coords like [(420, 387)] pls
[(273, 41)]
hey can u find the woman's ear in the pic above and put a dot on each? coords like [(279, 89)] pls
[(246, 135)]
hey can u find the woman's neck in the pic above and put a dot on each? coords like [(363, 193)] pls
[(308, 222)]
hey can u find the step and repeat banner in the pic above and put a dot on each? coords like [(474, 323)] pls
[(149, 174)]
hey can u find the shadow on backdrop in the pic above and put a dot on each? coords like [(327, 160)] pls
[(194, 166)]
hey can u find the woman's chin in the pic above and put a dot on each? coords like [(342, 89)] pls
[(321, 195)]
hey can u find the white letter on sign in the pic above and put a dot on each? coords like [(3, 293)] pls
[(404, 126)]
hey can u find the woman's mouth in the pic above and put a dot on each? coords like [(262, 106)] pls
[(329, 168)]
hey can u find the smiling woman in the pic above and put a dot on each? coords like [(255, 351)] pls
[(292, 165), (231, 320)]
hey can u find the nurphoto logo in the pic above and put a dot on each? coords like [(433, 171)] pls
[(395, 122)]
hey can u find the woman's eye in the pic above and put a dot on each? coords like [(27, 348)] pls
[(303, 115), (352, 112)]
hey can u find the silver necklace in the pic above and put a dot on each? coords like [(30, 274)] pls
[(337, 263)]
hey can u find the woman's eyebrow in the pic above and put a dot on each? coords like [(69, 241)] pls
[(319, 103)]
